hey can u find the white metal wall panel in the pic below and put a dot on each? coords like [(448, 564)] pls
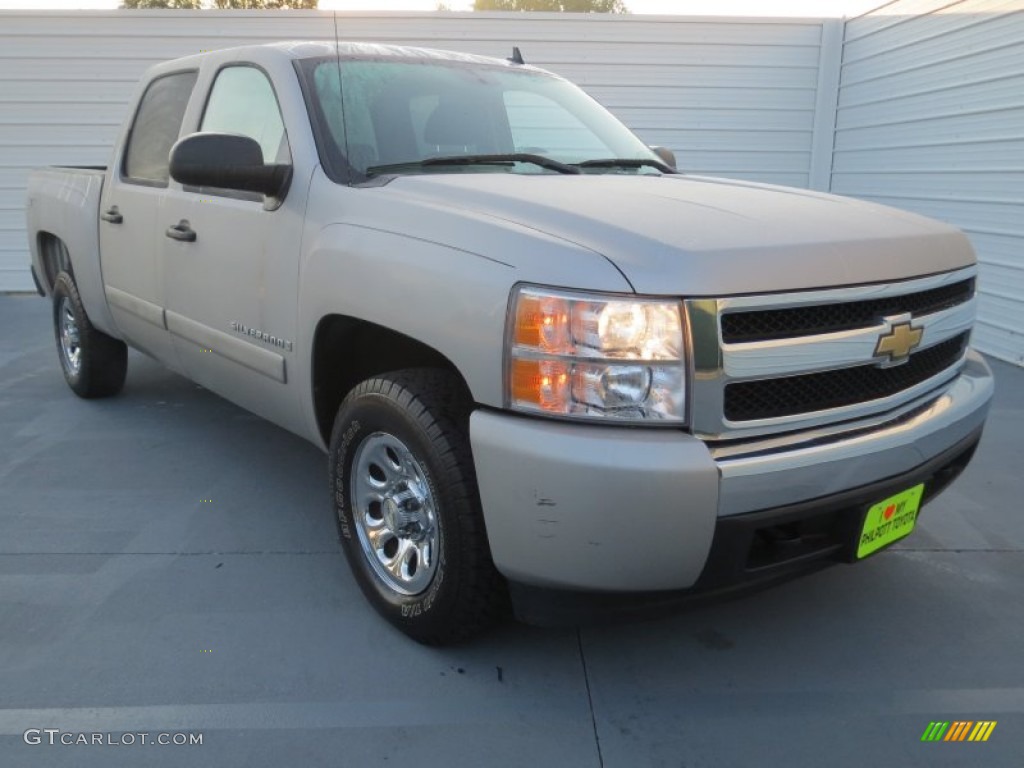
[(930, 118), (732, 97)]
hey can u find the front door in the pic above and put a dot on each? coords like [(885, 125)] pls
[(231, 263)]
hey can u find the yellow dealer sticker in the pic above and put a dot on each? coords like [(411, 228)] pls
[(889, 520)]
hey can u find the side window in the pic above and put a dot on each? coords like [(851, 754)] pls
[(242, 101), (156, 128)]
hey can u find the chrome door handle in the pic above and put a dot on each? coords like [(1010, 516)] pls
[(181, 231), (112, 215)]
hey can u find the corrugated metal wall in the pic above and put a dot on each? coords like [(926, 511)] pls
[(733, 97), (930, 118), (928, 115)]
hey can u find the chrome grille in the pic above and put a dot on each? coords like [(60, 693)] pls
[(772, 398), (811, 358), (763, 325)]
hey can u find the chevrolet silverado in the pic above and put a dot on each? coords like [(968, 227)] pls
[(550, 371)]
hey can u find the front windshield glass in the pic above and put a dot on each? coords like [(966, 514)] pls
[(389, 116)]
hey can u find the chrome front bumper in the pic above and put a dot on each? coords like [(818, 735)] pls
[(616, 509)]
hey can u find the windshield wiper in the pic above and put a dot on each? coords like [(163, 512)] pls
[(505, 159), (625, 162)]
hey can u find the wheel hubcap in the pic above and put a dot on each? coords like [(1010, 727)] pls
[(70, 339), (395, 514)]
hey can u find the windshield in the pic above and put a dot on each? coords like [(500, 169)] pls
[(398, 114)]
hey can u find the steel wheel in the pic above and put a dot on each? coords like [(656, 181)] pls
[(93, 364), (408, 510), (70, 338), (395, 514)]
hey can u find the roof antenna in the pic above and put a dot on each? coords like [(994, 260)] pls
[(517, 56), (341, 97)]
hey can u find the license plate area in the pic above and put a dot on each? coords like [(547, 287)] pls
[(889, 520)]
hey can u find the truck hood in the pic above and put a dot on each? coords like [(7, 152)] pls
[(690, 235)]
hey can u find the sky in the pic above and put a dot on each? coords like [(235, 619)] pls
[(691, 7)]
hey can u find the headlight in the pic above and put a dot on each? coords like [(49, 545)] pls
[(596, 357)]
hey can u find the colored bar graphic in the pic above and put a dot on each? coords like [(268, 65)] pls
[(934, 731), (958, 730), (982, 730)]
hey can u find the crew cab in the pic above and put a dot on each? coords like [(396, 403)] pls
[(550, 370)]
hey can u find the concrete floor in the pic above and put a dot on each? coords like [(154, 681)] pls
[(130, 604)]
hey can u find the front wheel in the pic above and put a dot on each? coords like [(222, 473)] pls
[(408, 509), (93, 363)]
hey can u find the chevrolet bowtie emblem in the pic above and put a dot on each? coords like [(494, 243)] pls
[(899, 342)]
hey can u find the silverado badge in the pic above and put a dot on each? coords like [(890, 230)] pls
[(261, 335)]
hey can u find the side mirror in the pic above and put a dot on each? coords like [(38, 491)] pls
[(227, 161), (668, 157)]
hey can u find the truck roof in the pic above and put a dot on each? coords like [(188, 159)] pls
[(300, 49), (309, 49)]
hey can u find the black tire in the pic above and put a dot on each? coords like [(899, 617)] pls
[(102, 361), (427, 412)]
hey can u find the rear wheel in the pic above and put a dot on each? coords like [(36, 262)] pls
[(408, 509), (94, 364)]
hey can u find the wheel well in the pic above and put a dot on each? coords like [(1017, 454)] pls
[(55, 258), (347, 351)]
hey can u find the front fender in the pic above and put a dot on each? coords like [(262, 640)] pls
[(448, 299)]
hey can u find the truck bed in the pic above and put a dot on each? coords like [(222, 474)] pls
[(63, 205)]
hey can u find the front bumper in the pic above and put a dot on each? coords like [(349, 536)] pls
[(614, 509), (750, 551)]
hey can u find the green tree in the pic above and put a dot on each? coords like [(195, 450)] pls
[(162, 4), (569, 6), (260, 4), (245, 4)]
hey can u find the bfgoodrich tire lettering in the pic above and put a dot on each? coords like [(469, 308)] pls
[(401, 439), (93, 363)]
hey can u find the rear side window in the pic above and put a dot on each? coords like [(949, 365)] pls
[(156, 128)]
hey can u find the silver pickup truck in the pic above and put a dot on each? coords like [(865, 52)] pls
[(550, 371)]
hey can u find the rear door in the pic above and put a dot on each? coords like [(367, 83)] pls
[(231, 291), (130, 234)]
